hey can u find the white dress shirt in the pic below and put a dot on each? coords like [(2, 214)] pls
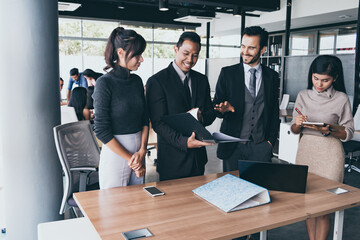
[(182, 75), (258, 76)]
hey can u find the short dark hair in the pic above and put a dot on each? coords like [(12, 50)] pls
[(192, 36), (132, 43), (328, 65), (258, 31), (74, 71), (61, 79)]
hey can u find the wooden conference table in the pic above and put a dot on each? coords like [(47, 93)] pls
[(180, 214)]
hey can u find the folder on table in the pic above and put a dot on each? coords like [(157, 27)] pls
[(230, 193), (186, 124)]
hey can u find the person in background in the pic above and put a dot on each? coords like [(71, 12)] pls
[(77, 78), (247, 100), (320, 147), (61, 84), (91, 78), (178, 89), (121, 119), (61, 87), (78, 100)]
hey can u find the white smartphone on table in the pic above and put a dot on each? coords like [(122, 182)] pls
[(153, 191)]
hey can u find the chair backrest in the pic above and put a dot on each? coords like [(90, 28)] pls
[(77, 147), (68, 115), (284, 101)]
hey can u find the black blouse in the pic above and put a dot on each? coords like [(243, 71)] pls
[(119, 104)]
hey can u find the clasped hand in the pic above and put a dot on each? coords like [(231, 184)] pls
[(137, 163)]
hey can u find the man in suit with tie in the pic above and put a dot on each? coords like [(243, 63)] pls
[(178, 89), (247, 100)]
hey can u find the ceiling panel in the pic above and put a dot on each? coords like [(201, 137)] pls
[(148, 10)]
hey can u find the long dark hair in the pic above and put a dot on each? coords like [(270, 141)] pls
[(78, 100), (90, 73), (328, 65), (132, 43)]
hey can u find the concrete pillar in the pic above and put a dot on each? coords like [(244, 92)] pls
[(29, 108)]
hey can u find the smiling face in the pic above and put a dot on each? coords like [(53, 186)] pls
[(187, 55), (250, 50), (322, 82)]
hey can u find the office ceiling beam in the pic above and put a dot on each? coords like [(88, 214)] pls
[(148, 10)]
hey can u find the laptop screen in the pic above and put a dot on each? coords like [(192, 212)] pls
[(275, 176)]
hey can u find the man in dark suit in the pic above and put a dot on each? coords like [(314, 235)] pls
[(178, 89), (247, 100)]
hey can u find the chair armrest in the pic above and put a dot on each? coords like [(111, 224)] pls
[(84, 173), (93, 169)]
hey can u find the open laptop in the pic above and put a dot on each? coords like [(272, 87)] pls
[(275, 176)]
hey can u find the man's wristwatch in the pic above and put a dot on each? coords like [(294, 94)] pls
[(327, 134)]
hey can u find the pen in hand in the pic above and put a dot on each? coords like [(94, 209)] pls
[(301, 118), (298, 111)]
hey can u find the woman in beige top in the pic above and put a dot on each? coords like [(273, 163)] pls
[(320, 148)]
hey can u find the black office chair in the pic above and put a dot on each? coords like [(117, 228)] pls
[(79, 156), (352, 146), (349, 148)]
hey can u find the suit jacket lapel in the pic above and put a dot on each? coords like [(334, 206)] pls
[(267, 87), (179, 86)]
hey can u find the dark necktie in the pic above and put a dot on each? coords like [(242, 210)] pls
[(187, 89), (252, 85)]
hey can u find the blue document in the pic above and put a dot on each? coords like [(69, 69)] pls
[(230, 193)]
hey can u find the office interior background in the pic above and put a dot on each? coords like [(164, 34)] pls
[(40, 44)]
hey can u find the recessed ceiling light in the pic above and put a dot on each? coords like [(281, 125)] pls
[(67, 6), (121, 6), (163, 5)]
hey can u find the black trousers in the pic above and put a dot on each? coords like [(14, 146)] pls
[(261, 152)]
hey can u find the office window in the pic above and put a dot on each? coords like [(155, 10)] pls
[(302, 44), (145, 31), (225, 46), (327, 42), (163, 55), (166, 34), (82, 45), (97, 29), (224, 52), (230, 40), (338, 41), (69, 27), (93, 55), (346, 40)]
